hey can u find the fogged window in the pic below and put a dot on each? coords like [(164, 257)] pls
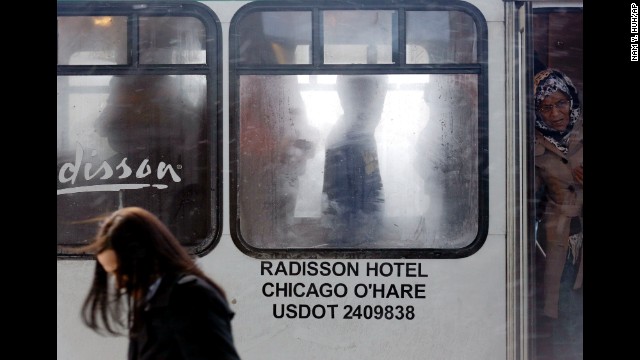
[(92, 40), (358, 37), (134, 135), (171, 40), (365, 149), (102, 40), (440, 37), (275, 37)]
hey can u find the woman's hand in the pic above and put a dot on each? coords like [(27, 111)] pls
[(577, 173)]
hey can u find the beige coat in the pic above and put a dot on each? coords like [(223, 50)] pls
[(564, 201)]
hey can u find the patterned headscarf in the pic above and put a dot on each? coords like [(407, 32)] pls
[(545, 83)]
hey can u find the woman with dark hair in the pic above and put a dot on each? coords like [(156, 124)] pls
[(170, 307), (558, 176)]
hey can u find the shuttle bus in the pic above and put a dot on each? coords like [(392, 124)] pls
[(357, 175)]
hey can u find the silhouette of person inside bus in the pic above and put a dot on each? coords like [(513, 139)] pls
[(145, 283), (146, 117), (275, 143), (152, 128), (558, 176), (275, 138), (353, 198)]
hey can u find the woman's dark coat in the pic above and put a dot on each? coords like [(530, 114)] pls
[(187, 319)]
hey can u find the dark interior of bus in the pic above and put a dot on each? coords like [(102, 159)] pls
[(558, 43)]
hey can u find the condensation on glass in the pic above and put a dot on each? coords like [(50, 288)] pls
[(275, 37), (361, 161), (102, 40), (358, 37), (140, 139), (171, 40), (367, 161), (136, 140), (437, 37), (92, 40)]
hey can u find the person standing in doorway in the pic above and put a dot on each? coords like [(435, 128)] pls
[(559, 178)]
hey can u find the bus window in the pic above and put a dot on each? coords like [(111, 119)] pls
[(288, 34), (317, 146), (136, 134), (171, 40), (92, 40), (358, 37), (440, 37)]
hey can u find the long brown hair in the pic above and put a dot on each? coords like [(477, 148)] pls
[(145, 250)]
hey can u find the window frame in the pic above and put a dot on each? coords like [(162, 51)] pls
[(316, 67), (211, 69)]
